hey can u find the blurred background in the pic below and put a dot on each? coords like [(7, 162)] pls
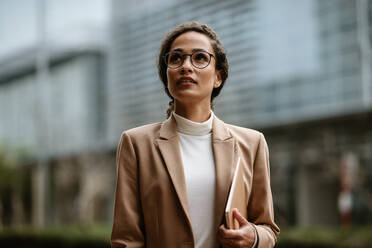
[(75, 74)]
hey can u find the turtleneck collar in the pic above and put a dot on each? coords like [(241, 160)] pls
[(186, 126)]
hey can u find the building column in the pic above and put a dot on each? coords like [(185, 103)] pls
[(38, 181)]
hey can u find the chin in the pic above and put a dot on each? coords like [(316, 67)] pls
[(189, 98)]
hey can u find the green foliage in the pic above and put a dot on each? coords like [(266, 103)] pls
[(56, 237), (10, 169), (356, 237), (7, 171), (99, 237)]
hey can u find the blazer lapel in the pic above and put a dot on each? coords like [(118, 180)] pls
[(225, 158), (170, 151)]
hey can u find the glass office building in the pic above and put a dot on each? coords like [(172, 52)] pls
[(299, 72)]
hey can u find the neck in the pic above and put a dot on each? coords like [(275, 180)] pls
[(193, 112)]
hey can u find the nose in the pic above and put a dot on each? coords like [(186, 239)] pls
[(186, 65)]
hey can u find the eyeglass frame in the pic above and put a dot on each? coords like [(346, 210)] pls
[(188, 54)]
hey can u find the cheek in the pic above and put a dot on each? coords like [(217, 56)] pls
[(170, 80), (170, 75), (209, 77)]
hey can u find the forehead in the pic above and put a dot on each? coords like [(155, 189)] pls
[(191, 40)]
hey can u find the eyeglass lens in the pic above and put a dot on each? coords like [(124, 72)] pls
[(198, 59)]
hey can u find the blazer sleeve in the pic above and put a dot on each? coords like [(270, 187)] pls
[(260, 206), (128, 223)]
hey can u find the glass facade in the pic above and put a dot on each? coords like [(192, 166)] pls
[(289, 62)]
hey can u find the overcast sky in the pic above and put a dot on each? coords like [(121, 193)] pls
[(18, 18)]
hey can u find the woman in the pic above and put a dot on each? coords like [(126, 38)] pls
[(174, 177)]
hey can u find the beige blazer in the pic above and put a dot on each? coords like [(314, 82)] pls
[(151, 206)]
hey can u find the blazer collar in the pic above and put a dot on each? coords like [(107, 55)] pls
[(219, 130), (168, 129)]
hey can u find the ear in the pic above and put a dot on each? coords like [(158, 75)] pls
[(218, 79)]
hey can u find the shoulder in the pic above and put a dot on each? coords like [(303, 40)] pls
[(244, 133), (149, 131), (246, 138)]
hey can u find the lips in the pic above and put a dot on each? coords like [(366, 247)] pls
[(186, 80)]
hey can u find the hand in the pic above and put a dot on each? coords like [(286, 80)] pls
[(243, 237)]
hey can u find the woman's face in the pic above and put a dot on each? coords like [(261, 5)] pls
[(188, 84)]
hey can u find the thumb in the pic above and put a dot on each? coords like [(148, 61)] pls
[(242, 221)]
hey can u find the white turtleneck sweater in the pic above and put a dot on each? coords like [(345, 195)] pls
[(197, 159)]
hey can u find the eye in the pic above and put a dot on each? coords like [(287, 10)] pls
[(174, 58), (200, 57)]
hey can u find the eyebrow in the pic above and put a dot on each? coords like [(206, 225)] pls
[(193, 50)]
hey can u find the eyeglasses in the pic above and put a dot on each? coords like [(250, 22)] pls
[(199, 59)]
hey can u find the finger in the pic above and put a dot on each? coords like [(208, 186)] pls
[(228, 233), (224, 243), (232, 243), (227, 243), (242, 221)]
